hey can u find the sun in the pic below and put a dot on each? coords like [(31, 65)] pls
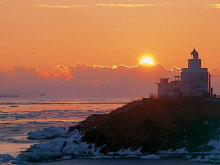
[(147, 61)]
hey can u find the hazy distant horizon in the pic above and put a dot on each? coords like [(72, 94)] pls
[(89, 81)]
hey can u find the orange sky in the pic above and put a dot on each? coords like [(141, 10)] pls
[(46, 33)]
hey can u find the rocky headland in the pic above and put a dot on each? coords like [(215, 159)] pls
[(187, 128)]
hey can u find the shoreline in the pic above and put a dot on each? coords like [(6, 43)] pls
[(125, 161), (80, 141)]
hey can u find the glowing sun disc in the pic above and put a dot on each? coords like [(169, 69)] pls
[(147, 60)]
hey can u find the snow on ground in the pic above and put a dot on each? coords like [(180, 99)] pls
[(215, 144), (56, 149), (48, 133), (212, 156), (64, 145), (127, 152), (67, 148), (177, 151)]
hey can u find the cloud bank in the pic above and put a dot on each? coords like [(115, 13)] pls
[(84, 80)]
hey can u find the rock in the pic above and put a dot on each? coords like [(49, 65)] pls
[(158, 127)]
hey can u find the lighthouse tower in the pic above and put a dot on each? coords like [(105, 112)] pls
[(194, 77)]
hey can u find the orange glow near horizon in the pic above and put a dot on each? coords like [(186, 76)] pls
[(44, 34)]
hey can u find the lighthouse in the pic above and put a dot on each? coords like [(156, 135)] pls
[(194, 77), (194, 81)]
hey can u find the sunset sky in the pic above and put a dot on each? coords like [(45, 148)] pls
[(47, 33), (45, 40)]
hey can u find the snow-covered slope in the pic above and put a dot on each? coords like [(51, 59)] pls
[(71, 146)]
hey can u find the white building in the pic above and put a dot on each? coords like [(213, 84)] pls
[(194, 81)]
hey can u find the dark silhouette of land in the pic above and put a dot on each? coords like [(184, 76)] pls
[(154, 125)]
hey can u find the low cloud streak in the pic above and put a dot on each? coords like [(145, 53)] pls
[(61, 6), (127, 5), (217, 5)]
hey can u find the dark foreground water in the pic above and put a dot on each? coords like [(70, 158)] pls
[(123, 162)]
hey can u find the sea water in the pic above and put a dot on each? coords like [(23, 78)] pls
[(18, 116), (123, 162)]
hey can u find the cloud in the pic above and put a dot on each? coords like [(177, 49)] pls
[(217, 5), (83, 80), (61, 6), (60, 72), (128, 5)]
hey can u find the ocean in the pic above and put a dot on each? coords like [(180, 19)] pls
[(18, 116)]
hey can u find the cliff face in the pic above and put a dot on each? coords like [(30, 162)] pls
[(155, 125)]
